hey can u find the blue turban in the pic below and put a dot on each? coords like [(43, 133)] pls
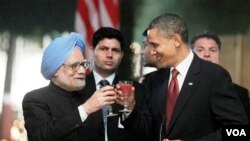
[(58, 52)]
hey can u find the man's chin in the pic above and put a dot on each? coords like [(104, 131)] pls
[(80, 86)]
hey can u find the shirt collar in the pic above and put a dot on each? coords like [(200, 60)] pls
[(185, 64), (98, 78)]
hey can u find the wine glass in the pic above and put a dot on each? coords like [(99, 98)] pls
[(110, 111), (126, 88)]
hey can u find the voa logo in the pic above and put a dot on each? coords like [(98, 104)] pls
[(236, 132)]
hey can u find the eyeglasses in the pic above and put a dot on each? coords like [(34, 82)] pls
[(75, 66)]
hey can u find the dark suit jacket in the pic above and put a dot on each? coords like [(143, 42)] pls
[(207, 101), (114, 133), (51, 114), (244, 98)]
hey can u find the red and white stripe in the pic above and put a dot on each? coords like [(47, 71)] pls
[(93, 14)]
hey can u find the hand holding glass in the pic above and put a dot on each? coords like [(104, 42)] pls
[(126, 88), (110, 111)]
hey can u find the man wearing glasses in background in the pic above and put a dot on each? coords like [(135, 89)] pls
[(56, 112)]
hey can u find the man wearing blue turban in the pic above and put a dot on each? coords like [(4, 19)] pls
[(58, 52), (58, 112)]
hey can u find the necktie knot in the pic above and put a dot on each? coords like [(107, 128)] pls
[(174, 73), (104, 83)]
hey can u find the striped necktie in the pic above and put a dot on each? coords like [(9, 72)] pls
[(173, 92)]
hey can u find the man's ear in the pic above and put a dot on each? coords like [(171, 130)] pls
[(177, 40), (122, 54), (89, 52)]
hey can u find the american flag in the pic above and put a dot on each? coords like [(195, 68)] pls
[(93, 14)]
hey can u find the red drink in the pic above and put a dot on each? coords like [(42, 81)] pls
[(126, 88)]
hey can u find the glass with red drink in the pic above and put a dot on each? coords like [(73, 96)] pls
[(126, 88)]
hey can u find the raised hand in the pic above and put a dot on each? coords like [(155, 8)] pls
[(102, 97), (130, 98)]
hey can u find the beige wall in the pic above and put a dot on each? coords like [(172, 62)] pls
[(235, 57)]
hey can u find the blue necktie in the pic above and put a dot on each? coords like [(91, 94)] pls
[(104, 83), (105, 110)]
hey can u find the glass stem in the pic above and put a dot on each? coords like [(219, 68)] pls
[(110, 110), (126, 101)]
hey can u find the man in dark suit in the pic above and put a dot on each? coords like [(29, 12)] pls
[(207, 46), (201, 97), (57, 112), (108, 51)]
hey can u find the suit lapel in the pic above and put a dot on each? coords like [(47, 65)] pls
[(187, 89), (161, 87), (116, 79)]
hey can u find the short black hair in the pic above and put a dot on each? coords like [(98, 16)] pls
[(107, 32), (170, 24), (206, 34)]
